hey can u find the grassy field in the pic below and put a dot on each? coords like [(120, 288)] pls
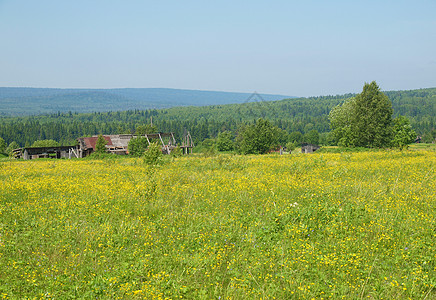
[(423, 146), (339, 225)]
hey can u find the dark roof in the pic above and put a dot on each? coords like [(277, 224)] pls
[(52, 148), (91, 141)]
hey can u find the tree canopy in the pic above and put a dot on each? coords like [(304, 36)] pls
[(365, 120), (258, 138), (224, 141), (2, 145), (137, 146), (12, 146), (403, 133), (100, 145), (45, 143)]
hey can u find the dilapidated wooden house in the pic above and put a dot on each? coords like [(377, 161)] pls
[(46, 152), (309, 148), (115, 144), (118, 143)]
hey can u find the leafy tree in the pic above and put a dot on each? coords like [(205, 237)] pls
[(281, 135), (208, 143), (2, 145), (373, 117), (312, 137), (13, 145), (145, 129), (45, 143), (363, 121), (224, 141), (430, 136), (341, 119), (258, 138), (326, 138), (296, 137), (403, 133), (100, 145), (290, 146), (308, 127), (137, 146)]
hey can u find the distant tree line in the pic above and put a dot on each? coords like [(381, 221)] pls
[(300, 120)]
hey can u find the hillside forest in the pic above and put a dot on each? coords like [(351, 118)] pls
[(299, 118)]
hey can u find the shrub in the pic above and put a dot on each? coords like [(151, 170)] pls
[(224, 141), (137, 146), (153, 155)]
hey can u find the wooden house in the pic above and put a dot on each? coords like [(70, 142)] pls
[(118, 144)]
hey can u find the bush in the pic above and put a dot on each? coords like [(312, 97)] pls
[(403, 133), (291, 146), (153, 155), (224, 141), (137, 146), (176, 152)]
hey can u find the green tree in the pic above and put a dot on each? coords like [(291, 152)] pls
[(296, 137), (145, 129), (2, 145), (312, 137), (258, 138), (137, 146), (373, 120), (224, 141), (290, 146), (45, 143), (282, 137), (429, 136), (13, 145), (363, 121), (403, 133), (341, 121), (100, 145)]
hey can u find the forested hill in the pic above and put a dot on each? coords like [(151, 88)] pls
[(292, 115), (35, 101)]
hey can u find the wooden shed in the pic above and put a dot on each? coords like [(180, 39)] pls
[(46, 152), (309, 148)]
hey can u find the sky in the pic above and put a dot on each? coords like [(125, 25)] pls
[(293, 48)]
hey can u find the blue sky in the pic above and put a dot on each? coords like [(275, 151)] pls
[(297, 48)]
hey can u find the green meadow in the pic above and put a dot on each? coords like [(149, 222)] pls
[(349, 225)]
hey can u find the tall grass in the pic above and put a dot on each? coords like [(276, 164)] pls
[(350, 225)]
